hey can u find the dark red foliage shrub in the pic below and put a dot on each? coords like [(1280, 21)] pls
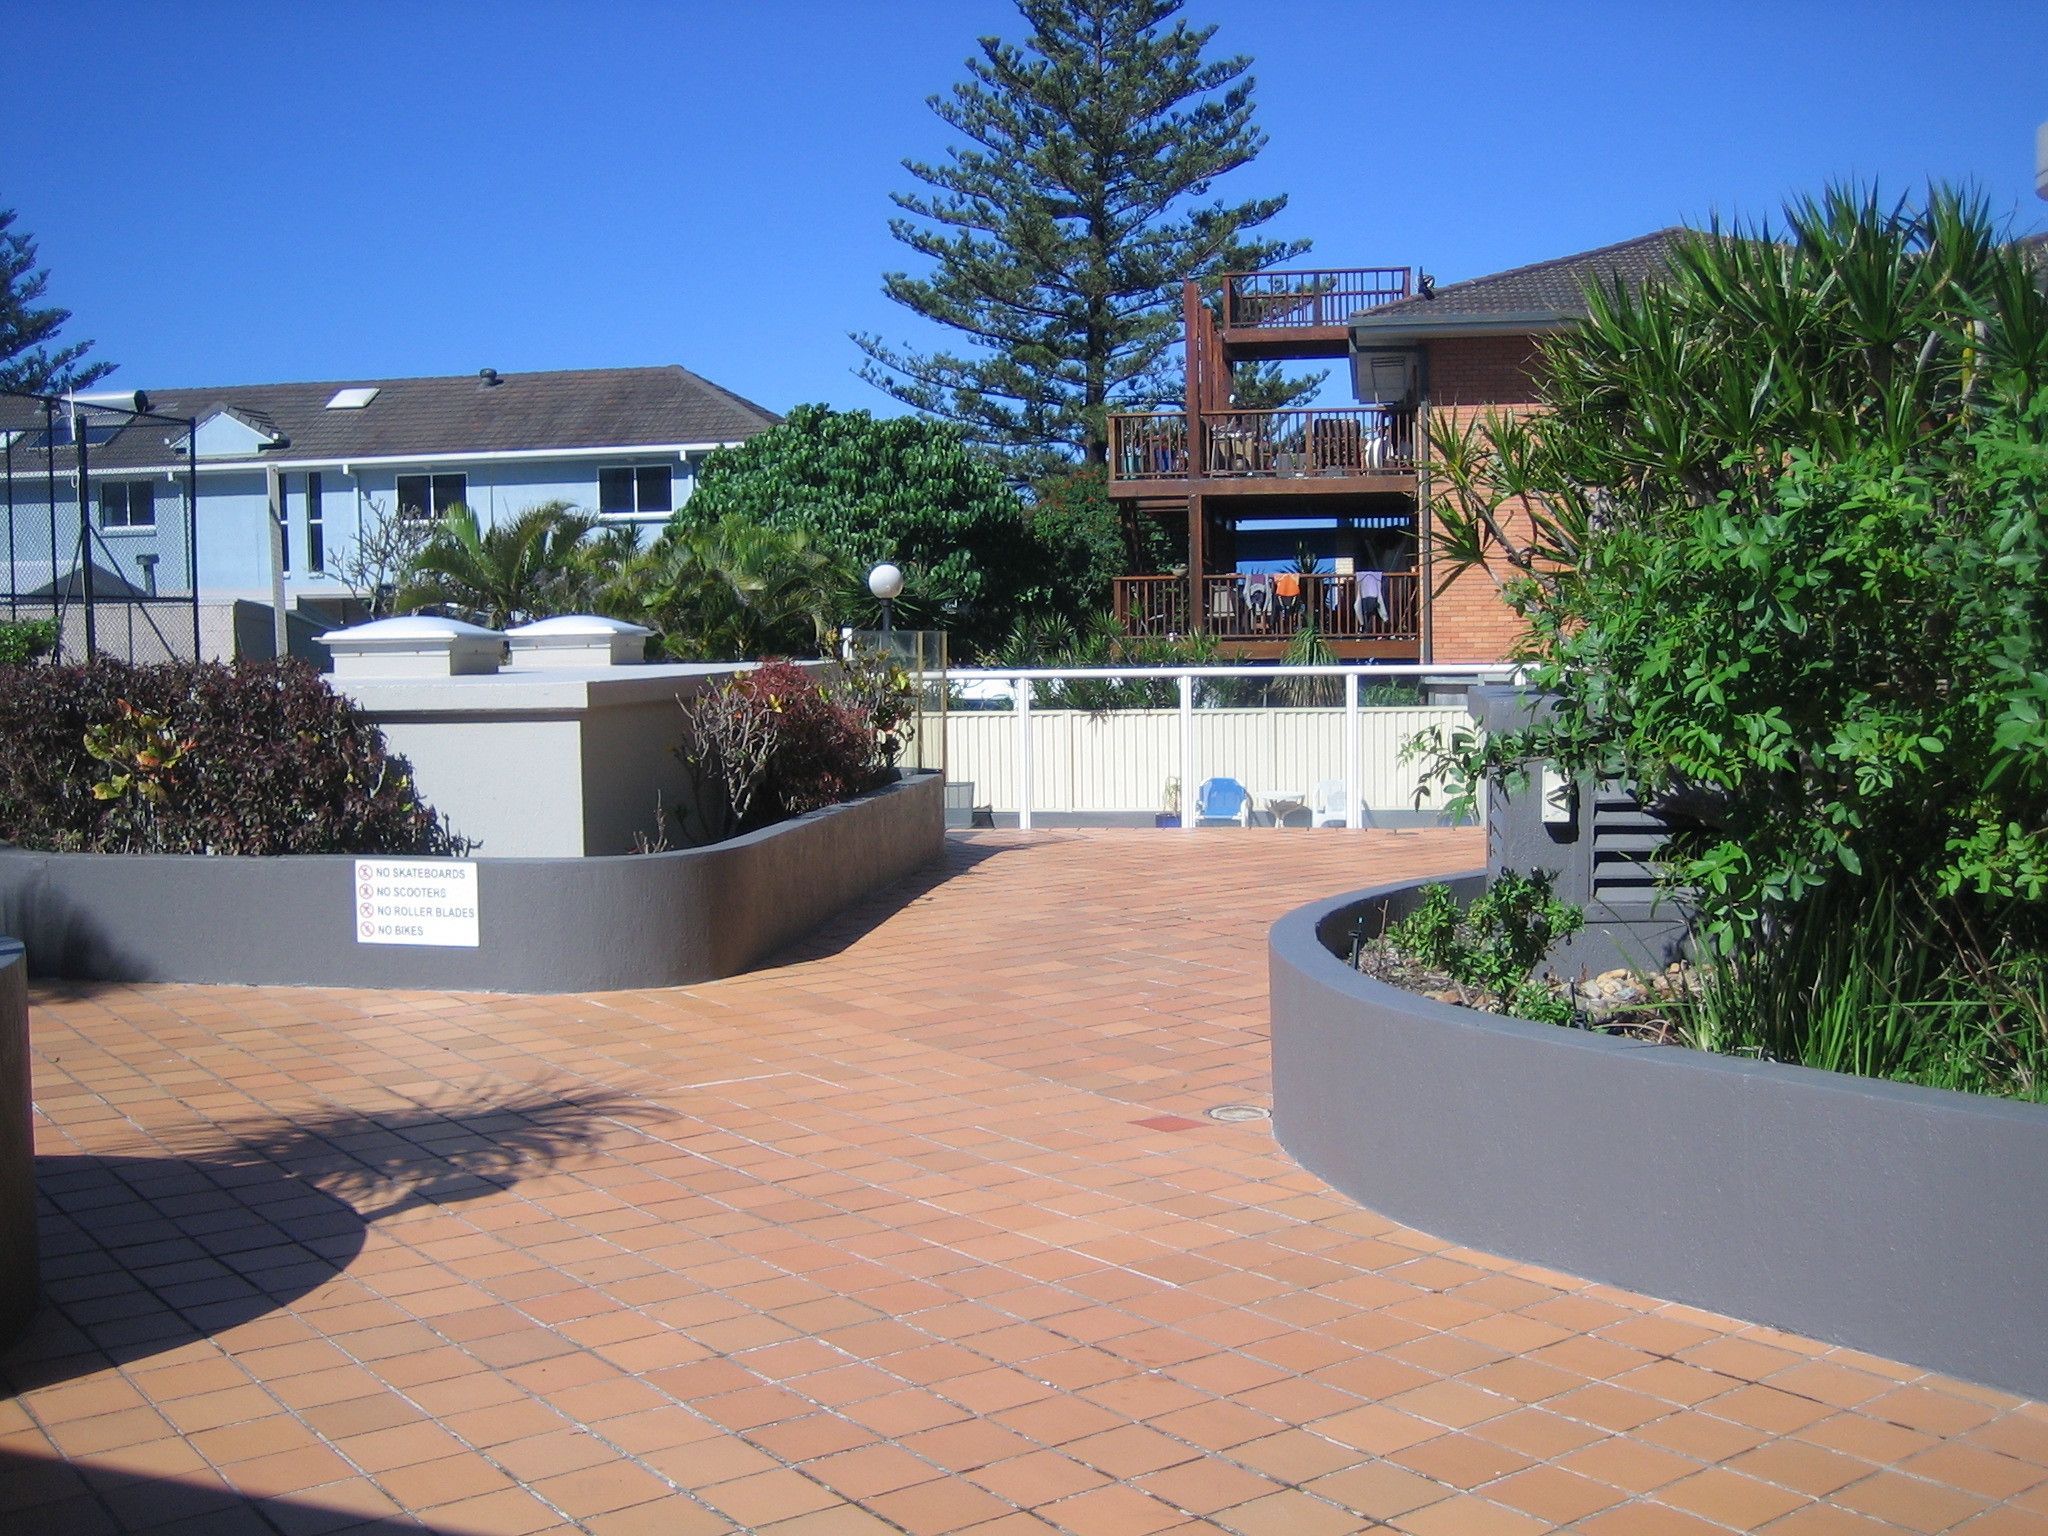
[(774, 743), (274, 762), (824, 752)]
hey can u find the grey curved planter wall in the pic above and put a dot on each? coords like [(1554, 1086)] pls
[(17, 1148), (545, 925), (1909, 1222)]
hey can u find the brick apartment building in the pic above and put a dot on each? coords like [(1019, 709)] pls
[(1348, 486)]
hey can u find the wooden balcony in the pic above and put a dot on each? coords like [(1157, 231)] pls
[(1272, 315), (1369, 615), (1159, 453)]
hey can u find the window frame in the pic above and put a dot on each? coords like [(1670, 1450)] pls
[(128, 487), (432, 513), (638, 514), (316, 526)]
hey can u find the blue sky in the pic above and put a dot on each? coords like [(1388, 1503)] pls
[(243, 193)]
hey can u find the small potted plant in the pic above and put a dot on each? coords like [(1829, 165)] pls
[(1169, 816)]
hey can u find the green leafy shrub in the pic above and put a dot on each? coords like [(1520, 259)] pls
[(907, 490), (143, 757), (1493, 946), (26, 640), (729, 590), (257, 758), (1096, 538), (1779, 541), (501, 575)]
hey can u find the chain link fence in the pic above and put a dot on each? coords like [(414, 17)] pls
[(100, 496)]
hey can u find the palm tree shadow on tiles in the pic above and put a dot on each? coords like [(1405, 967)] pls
[(46, 1496), (143, 1253)]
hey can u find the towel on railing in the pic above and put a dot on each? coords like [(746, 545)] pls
[(1372, 596), (1287, 586), (1258, 591)]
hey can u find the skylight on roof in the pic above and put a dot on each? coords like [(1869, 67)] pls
[(352, 399)]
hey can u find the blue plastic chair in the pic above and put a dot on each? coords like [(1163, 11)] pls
[(1221, 802)]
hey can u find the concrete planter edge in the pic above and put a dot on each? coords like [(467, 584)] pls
[(546, 925), (1900, 1220)]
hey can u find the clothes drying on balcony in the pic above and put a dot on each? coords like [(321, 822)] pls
[(1370, 596)]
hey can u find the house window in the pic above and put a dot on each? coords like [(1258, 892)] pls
[(128, 504), (423, 497), (284, 524), (316, 528), (635, 490)]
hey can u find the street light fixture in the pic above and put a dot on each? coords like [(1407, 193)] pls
[(886, 582)]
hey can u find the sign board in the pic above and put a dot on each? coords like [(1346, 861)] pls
[(415, 901)]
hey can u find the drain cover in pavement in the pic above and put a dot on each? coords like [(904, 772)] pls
[(1239, 1112)]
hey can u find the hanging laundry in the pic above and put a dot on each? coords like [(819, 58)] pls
[(1372, 596)]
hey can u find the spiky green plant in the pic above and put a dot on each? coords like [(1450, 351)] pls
[(733, 589), (1779, 539), (503, 575)]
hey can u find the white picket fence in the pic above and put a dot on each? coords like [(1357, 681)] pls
[(1022, 761)]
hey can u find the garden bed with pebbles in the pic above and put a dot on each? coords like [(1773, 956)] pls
[(1643, 1006)]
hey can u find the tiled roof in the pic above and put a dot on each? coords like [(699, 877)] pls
[(1551, 290), (522, 412)]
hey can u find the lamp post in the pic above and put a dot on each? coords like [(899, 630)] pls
[(886, 582)]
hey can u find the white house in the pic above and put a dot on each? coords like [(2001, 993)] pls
[(624, 443)]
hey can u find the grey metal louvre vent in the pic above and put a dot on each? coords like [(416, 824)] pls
[(1625, 841)]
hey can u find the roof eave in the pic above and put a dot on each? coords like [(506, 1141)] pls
[(1371, 330)]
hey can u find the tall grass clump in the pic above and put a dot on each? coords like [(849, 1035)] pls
[(1868, 981)]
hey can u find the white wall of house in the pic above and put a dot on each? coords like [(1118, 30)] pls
[(233, 531)]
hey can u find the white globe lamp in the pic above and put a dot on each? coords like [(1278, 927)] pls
[(886, 582)]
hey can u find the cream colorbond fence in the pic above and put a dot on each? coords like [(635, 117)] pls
[(1120, 761), (1025, 759)]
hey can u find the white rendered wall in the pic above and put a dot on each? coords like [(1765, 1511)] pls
[(543, 764)]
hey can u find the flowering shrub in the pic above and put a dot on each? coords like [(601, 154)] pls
[(256, 758)]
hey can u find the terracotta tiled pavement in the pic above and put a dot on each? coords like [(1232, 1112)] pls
[(921, 1231)]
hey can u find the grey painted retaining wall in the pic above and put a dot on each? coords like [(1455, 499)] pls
[(1909, 1222), (545, 925), (18, 1285)]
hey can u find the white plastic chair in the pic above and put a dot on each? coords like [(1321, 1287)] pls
[(1330, 802)]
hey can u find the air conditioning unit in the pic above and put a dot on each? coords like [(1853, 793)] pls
[(1384, 378)]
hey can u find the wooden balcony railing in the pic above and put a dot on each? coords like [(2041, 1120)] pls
[(1368, 605), (1241, 445), (1151, 605), (1324, 298), (1349, 440), (1149, 445)]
